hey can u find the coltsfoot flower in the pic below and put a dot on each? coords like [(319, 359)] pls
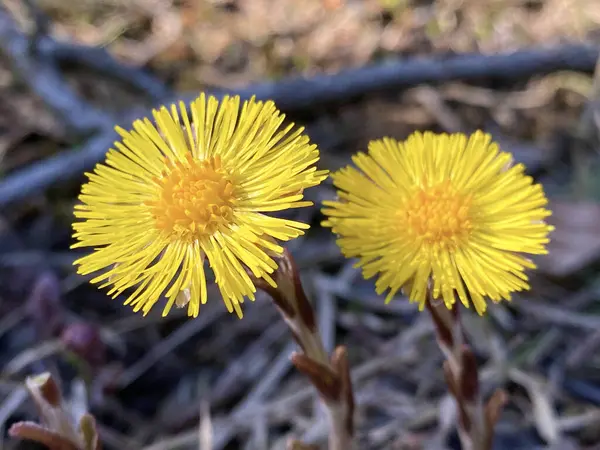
[(444, 214), (183, 190)]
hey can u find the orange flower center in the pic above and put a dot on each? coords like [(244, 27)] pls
[(438, 216), (194, 198)]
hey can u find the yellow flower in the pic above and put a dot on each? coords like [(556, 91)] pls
[(440, 213), (182, 190)]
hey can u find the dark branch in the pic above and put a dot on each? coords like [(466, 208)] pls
[(91, 57), (38, 59), (43, 76), (102, 62), (63, 166), (296, 94)]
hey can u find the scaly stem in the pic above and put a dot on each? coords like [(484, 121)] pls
[(330, 376), (476, 420)]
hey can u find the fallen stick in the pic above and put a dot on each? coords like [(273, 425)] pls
[(44, 78), (297, 94), (38, 59)]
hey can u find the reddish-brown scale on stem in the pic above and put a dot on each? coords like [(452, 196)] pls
[(469, 379)]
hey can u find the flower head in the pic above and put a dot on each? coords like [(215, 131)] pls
[(444, 214), (183, 190)]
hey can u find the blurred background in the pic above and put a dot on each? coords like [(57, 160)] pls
[(70, 71)]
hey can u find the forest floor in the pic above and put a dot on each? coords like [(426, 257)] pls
[(157, 378)]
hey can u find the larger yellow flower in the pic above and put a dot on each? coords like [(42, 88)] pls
[(444, 214), (183, 190)]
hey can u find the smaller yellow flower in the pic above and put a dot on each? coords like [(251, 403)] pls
[(440, 214), (180, 191)]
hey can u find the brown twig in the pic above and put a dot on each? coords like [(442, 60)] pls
[(476, 419), (330, 376)]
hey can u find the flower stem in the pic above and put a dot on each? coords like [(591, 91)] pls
[(329, 375), (476, 419)]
